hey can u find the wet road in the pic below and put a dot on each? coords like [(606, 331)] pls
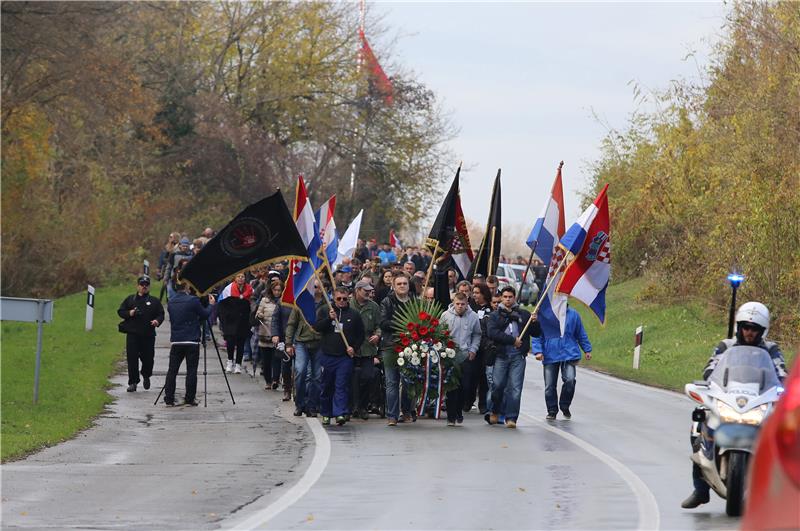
[(620, 463)]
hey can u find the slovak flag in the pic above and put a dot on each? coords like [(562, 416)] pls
[(394, 241), (299, 284), (543, 240), (586, 277), (326, 228)]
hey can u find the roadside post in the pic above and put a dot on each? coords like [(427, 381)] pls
[(89, 307), (29, 311), (637, 349), (146, 268)]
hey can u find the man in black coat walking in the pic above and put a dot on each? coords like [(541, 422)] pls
[(142, 314)]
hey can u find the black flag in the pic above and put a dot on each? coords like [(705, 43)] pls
[(262, 232), (449, 240), (489, 253)]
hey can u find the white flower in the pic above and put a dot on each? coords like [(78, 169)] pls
[(425, 347), (415, 346), (401, 362), (434, 357), (415, 361), (424, 354), (450, 353), (407, 351), (438, 346)]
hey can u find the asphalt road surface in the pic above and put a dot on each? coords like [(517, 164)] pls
[(622, 462)]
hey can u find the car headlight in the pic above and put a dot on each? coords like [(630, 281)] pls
[(754, 416)]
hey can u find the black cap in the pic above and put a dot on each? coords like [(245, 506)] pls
[(144, 279)]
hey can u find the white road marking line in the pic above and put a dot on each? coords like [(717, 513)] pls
[(322, 454)]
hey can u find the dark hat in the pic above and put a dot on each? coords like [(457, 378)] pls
[(144, 279), (478, 275), (185, 241), (273, 274), (364, 284)]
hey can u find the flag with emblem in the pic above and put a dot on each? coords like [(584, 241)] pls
[(299, 289), (448, 240), (326, 227), (488, 256), (586, 277), (262, 232)]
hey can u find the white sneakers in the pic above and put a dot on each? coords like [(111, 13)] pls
[(229, 367), (237, 369)]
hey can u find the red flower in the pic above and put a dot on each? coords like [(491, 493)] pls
[(410, 326), (447, 333), (398, 349), (415, 336), (423, 331), (450, 344), (424, 316), (405, 341), (434, 322)]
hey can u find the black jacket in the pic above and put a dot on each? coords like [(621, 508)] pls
[(389, 306), (235, 316), (149, 309), (352, 325), (499, 321)]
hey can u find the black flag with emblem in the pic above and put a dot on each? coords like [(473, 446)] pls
[(488, 256), (449, 240), (262, 232)]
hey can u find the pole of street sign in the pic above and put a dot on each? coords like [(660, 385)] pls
[(39, 326), (637, 349), (89, 307)]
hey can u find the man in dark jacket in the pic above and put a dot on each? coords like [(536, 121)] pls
[(143, 313), (337, 355), (398, 298), (186, 317), (505, 328)]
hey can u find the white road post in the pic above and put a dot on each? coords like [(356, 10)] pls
[(638, 346), (89, 308), (146, 268)]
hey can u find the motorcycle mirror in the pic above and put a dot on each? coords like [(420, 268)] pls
[(699, 415), (701, 383)]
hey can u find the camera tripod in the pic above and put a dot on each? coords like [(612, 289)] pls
[(206, 323)]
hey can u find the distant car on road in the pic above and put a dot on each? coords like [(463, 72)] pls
[(773, 499), (511, 275)]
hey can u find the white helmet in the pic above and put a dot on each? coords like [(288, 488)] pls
[(754, 312)]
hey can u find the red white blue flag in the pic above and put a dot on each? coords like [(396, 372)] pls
[(300, 282), (586, 277), (394, 241), (326, 228)]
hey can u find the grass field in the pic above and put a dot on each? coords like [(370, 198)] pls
[(678, 339), (76, 365)]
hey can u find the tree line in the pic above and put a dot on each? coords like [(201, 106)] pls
[(124, 121), (709, 183)]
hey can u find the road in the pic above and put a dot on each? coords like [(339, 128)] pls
[(620, 463)]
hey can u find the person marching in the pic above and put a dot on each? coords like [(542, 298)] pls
[(143, 313), (367, 358), (337, 355)]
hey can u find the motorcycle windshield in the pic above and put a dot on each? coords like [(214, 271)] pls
[(745, 365)]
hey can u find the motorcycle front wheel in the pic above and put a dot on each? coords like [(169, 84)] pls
[(735, 482)]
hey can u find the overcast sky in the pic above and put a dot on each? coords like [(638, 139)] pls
[(523, 80)]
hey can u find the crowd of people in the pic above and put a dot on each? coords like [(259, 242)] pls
[(344, 365)]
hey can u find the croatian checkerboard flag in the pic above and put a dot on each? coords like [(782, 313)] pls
[(586, 276), (298, 291), (543, 240), (326, 228)]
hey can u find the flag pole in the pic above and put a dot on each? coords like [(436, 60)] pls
[(491, 254), (430, 267), (330, 307), (541, 299), (530, 259)]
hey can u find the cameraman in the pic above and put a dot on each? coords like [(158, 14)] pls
[(187, 315), (143, 313)]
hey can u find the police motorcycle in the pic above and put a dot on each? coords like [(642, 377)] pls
[(738, 396)]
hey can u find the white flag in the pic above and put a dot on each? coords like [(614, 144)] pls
[(349, 241)]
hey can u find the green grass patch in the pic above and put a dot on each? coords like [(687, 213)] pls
[(678, 339), (74, 376)]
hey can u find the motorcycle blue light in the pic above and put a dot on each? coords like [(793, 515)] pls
[(735, 279)]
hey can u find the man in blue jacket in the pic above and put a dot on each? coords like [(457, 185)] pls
[(562, 354), (186, 317)]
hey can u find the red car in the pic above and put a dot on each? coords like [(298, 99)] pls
[(773, 496)]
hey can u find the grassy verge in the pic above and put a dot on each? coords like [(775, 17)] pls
[(678, 339), (76, 365)]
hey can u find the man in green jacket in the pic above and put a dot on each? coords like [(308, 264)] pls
[(367, 356), (302, 343)]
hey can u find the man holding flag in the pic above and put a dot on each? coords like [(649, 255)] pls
[(586, 248)]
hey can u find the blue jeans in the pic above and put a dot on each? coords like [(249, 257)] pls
[(393, 397), (308, 377), (551, 370), (489, 380), (508, 371), (337, 372)]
